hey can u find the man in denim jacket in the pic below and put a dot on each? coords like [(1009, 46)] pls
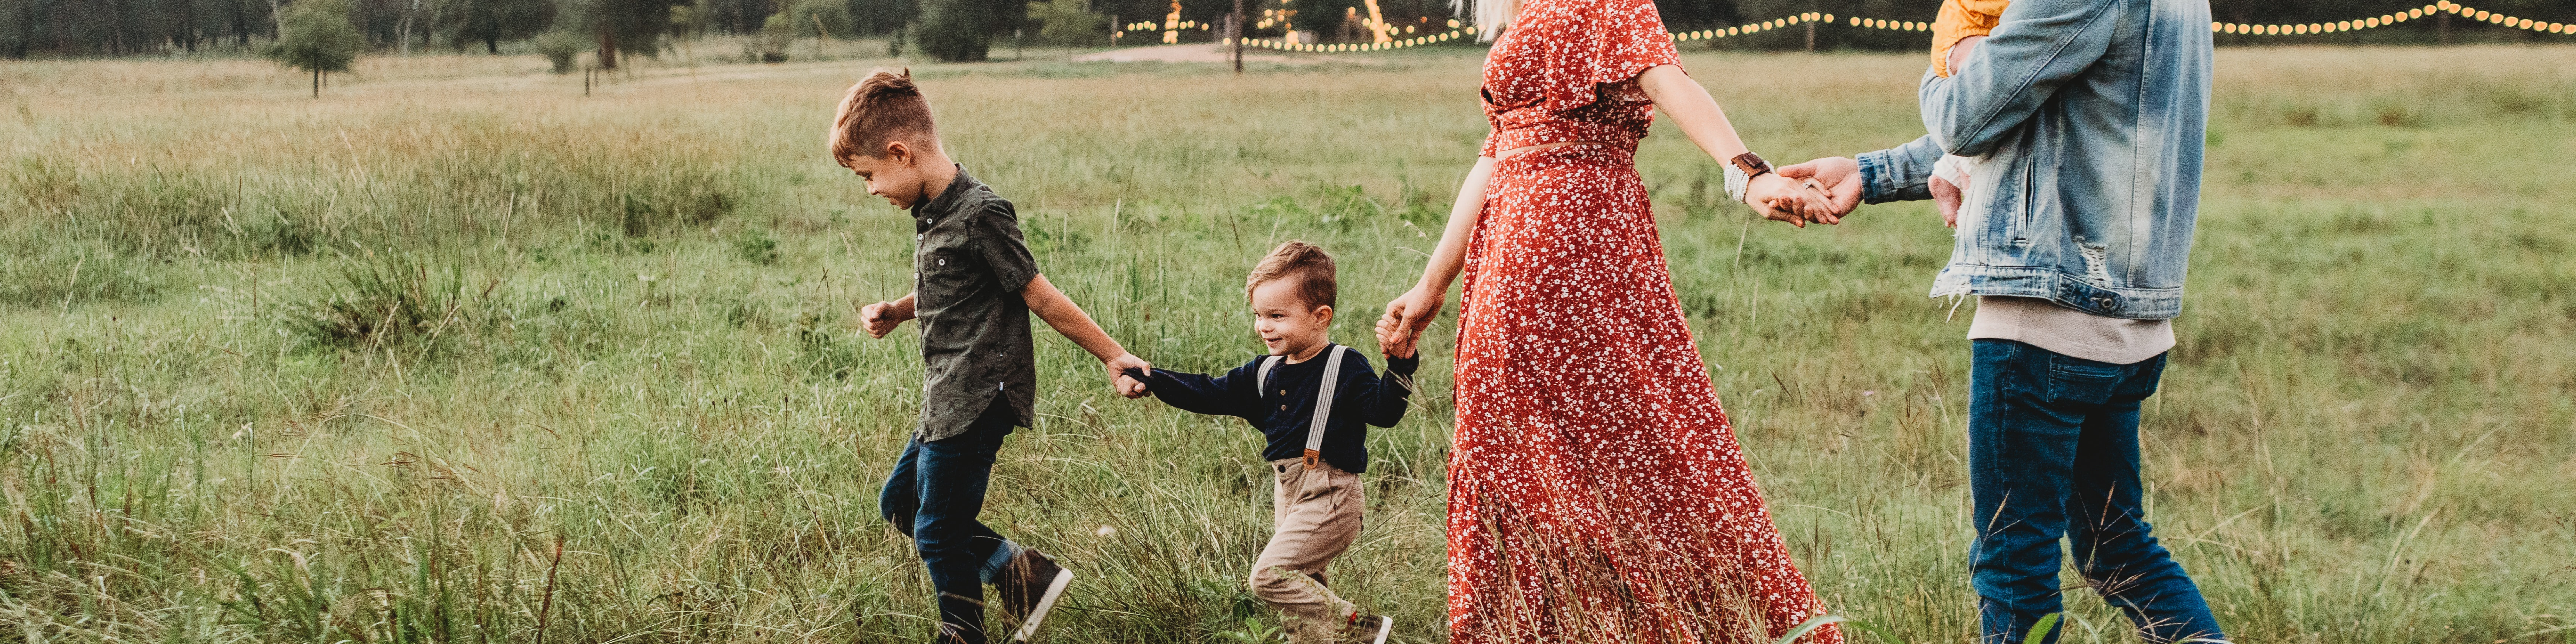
[(2085, 118)]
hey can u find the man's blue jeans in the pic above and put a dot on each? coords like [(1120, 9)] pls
[(2053, 451), (933, 495)]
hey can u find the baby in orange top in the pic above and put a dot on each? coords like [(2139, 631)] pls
[(1955, 33)]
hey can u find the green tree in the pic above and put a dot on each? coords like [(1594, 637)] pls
[(1068, 23), (561, 48), (962, 30), (492, 21), (624, 26), (316, 36)]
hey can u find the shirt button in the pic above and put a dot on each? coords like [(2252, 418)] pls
[(1283, 408), (1283, 392)]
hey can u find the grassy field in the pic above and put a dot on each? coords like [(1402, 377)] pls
[(457, 354)]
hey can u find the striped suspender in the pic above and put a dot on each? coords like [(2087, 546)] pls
[(1323, 399)]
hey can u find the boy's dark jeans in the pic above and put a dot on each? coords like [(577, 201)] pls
[(933, 495), (2053, 451)]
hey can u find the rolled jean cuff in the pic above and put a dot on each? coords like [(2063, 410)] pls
[(992, 566)]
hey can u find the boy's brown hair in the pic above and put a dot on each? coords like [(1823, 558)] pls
[(1302, 261), (883, 107)]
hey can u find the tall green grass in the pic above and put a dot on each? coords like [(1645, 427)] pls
[(280, 369)]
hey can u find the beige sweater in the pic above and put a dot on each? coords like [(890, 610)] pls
[(2069, 332)]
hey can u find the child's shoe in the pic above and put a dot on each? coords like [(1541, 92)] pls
[(1029, 586), (1366, 629)]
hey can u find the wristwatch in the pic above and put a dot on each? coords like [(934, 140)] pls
[(1752, 165), (1740, 172)]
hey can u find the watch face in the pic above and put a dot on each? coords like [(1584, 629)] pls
[(1751, 163)]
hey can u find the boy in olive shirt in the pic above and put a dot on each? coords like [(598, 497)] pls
[(974, 289)]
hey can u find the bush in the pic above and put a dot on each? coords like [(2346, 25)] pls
[(561, 48), (756, 246), (1069, 23), (382, 300)]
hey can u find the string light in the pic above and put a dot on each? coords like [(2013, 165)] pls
[(1458, 30), (2374, 22)]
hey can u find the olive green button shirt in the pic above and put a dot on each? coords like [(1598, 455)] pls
[(971, 264)]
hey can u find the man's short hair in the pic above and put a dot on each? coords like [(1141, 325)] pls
[(1300, 261), (883, 107)]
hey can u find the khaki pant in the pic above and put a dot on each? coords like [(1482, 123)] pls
[(1316, 517)]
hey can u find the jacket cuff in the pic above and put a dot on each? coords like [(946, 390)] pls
[(1875, 183)]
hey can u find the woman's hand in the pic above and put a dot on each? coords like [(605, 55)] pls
[(1406, 317)]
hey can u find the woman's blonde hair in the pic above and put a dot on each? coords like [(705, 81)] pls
[(1492, 16)]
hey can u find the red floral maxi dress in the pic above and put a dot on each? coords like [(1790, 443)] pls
[(1596, 492)]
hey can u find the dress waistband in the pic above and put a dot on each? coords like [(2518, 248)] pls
[(1594, 152), (1562, 131)]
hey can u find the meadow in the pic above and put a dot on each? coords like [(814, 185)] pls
[(455, 353)]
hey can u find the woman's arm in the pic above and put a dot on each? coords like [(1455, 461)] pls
[(1779, 198), (1410, 313)]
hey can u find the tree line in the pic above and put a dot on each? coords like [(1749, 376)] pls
[(965, 30)]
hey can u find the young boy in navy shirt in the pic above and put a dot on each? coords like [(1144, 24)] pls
[(1314, 400)]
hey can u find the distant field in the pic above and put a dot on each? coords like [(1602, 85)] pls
[(454, 353)]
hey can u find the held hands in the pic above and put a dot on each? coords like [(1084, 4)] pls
[(1119, 378), (1795, 201), (1401, 328), (1838, 179)]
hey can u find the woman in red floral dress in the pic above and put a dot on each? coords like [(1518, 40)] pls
[(1596, 492)]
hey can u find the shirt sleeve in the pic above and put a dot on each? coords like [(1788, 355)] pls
[(1603, 42), (1227, 395), (998, 241), (1385, 398)]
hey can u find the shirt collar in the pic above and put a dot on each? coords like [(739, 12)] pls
[(946, 202)]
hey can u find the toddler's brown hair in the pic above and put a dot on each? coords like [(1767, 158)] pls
[(1298, 260)]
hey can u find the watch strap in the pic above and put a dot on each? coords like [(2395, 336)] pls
[(1752, 164)]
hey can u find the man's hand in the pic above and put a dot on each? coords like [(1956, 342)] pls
[(881, 318), (1405, 318), (1118, 378), (1840, 177)]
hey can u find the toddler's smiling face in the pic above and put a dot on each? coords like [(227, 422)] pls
[(1288, 324)]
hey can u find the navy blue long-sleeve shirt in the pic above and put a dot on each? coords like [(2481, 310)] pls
[(1285, 409)]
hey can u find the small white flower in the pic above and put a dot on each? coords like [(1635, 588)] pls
[(1105, 530)]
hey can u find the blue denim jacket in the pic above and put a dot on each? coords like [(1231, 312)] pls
[(2089, 116)]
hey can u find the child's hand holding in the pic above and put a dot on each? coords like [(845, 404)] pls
[(1387, 345)]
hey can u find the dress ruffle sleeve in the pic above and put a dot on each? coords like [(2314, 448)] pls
[(1614, 41)]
